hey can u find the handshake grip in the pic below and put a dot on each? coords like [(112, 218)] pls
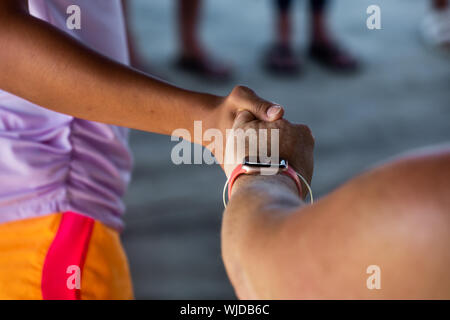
[(291, 152), (254, 139)]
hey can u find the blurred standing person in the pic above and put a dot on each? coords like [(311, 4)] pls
[(194, 57), (281, 57), (436, 25)]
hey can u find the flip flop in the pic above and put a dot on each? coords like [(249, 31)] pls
[(281, 60), (333, 57), (204, 67)]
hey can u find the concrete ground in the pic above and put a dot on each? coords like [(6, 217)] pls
[(400, 101)]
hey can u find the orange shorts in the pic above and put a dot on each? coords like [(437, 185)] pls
[(62, 256)]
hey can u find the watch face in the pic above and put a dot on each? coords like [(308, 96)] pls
[(281, 164), (266, 168)]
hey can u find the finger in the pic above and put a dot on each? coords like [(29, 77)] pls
[(242, 118)]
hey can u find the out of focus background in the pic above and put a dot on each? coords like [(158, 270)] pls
[(400, 100)]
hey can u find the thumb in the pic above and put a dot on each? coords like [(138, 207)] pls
[(265, 110), (274, 112), (262, 109)]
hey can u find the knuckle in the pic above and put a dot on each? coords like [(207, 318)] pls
[(261, 105), (278, 124), (306, 132), (241, 91), (305, 129)]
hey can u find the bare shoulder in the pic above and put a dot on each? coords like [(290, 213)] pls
[(417, 176), (426, 160), (420, 177), (396, 216)]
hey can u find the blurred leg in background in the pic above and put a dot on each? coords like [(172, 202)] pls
[(323, 49), (319, 28), (281, 57), (193, 56), (436, 24), (137, 59)]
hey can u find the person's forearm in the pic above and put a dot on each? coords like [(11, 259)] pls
[(43, 65), (258, 206)]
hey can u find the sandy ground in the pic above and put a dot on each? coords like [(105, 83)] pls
[(398, 102)]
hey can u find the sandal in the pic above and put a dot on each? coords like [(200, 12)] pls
[(204, 67), (333, 57), (281, 59)]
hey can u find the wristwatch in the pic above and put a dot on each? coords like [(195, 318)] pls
[(263, 168)]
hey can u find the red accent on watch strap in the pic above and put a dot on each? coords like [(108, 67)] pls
[(240, 170), (234, 175), (291, 173)]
